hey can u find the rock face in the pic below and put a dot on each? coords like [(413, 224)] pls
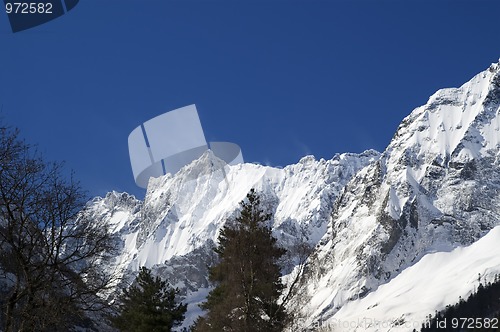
[(369, 216), (436, 187)]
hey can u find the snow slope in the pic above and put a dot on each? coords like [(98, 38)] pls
[(436, 280)]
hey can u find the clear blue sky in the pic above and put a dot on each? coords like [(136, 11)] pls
[(280, 78)]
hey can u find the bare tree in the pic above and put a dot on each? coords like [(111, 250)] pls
[(294, 298), (51, 253)]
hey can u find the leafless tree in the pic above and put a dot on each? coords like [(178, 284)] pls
[(294, 298), (52, 254)]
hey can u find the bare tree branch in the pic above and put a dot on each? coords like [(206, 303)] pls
[(53, 253)]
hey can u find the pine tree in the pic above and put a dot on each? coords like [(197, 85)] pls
[(149, 305), (247, 277)]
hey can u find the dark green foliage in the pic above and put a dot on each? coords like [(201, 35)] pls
[(149, 306), (247, 277), (483, 305)]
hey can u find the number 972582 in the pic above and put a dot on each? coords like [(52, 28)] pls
[(28, 8)]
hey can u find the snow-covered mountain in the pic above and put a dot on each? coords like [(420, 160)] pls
[(173, 230), (381, 224), (435, 188)]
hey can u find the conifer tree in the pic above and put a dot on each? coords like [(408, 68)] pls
[(247, 277), (149, 306)]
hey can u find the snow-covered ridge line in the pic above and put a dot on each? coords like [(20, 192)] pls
[(182, 213)]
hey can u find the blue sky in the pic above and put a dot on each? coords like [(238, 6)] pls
[(280, 78)]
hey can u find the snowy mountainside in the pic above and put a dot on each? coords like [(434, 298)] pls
[(443, 277), (176, 225), (413, 294), (435, 188)]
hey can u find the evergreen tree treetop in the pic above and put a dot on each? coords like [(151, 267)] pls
[(247, 278), (149, 305)]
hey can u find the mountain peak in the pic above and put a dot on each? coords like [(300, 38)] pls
[(307, 159), (495, 66), (455, 122), (208, 160)]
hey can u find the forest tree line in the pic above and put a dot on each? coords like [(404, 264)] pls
[(479, 312)]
